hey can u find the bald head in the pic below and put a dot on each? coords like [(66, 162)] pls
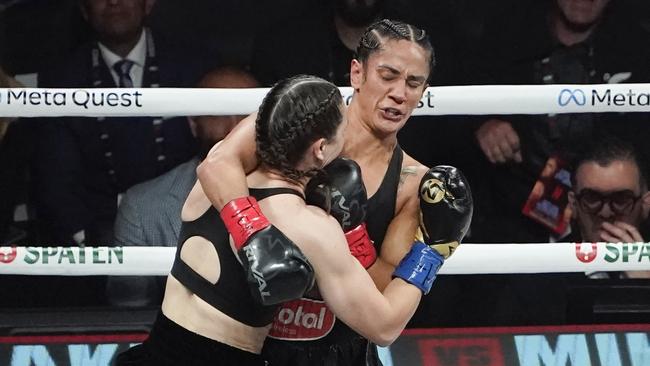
[(211, 129), (228, 77)]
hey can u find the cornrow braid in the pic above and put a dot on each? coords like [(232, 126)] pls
[(384, 30), (296, 112), (397, 30)]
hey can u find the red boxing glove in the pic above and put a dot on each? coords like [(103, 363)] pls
[(361, 247), (243, 218)]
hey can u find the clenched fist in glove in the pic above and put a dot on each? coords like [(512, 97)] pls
[(340, 188), (276, 270), (446, 209)]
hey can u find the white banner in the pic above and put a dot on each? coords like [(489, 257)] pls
[(444, 100), (468, 259)]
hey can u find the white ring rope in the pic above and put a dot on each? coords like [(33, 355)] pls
[(443, 100), (468, 259), (446, 100)]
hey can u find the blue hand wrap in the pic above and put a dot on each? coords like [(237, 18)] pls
[(420, 266)]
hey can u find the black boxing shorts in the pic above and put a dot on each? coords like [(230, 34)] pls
[(169, 344)]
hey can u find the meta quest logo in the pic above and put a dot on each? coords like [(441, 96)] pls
[(567, 96), (595, 97)]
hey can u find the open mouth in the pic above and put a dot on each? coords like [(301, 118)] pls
[(392, 114)]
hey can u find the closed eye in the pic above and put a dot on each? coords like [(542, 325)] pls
[(387, 75), (415, 83)]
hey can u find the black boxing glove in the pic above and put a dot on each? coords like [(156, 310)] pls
[(276, 270), (446, 208), (340, 189)]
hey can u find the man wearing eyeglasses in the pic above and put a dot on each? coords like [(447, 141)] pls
[(610, 198)]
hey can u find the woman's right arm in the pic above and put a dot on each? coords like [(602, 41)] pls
[(350, 292), (222, 173)]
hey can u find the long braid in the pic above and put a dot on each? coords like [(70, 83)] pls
[(304, 128), (291, 123), (305, 125)]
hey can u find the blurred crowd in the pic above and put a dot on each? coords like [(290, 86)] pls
[(121, 181)]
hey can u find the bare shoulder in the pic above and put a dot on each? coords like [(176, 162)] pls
[(195, 204), (410, 176)]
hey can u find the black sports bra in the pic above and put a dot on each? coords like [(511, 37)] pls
[(381, 206), (230, 294)]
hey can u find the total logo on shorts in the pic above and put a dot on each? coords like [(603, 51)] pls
[(302, 320)]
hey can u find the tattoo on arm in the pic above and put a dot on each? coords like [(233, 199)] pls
[(406, 171)]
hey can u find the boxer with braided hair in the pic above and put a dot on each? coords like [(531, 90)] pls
[(219, 305), (273, 152), (386, 29), (389, 75)]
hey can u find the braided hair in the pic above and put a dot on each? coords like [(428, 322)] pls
[(384, 30), (294, 114)]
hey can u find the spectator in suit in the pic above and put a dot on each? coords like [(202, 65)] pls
[(86, 164), (610, 199), (150, 212)]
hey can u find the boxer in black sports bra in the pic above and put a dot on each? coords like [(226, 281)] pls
[(209, 316), (389, 76), (212, 313)]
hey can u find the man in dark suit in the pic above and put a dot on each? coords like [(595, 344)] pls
[(150, 213), (86, 164)]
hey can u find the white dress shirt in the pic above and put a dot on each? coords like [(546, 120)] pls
[(138, 56)]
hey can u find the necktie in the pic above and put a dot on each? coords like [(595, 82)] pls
[(122, 68)]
